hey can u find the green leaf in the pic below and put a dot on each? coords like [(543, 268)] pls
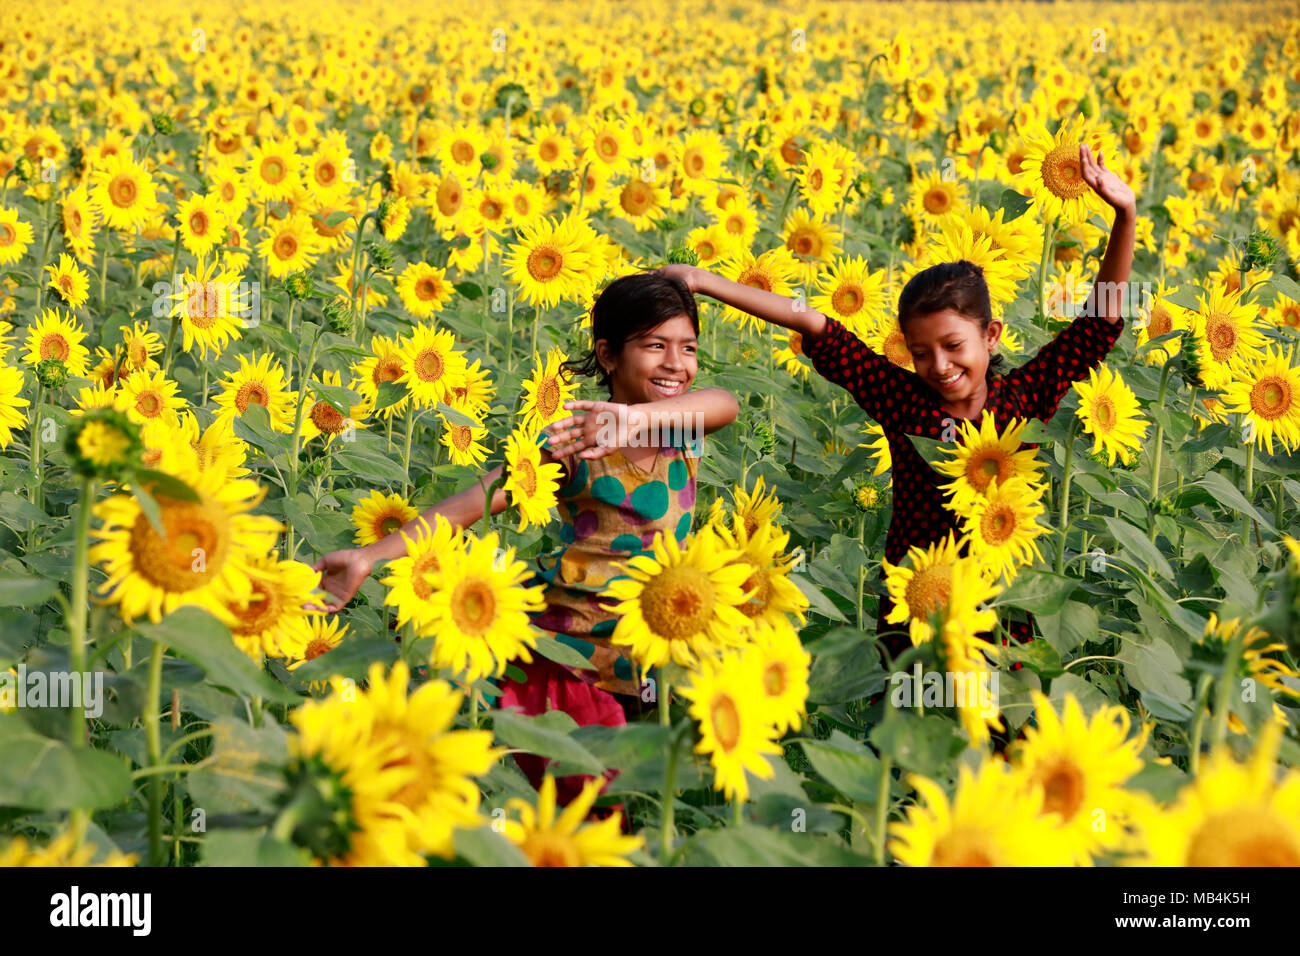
[(560, 652), (336, 218), (338, 398), (169, 486), (26, 591), (254, 426), (469, 290), (1089, 697), (1015, 204), (845, 667), (1076, 624), (47, 774), (1230, 495), (1287, 286), (243, 774), (150, 508), (17, 512), (1139, 547), (350, 659), (457, 417), (547, 736), (1042, 592), (929, 449), (250, 848), (818, 602), (1155, 669), (1035, 433), (200, 638), (389, 393), (924, 744), (483, 846), (1039, 656), (368, 464), (846, 765), (749, 845)]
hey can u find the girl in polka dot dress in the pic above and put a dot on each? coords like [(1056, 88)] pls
[(946, 319), (629, 472)]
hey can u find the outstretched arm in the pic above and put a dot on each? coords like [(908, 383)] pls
[(778, 309), (1108, 292), (606, 426)]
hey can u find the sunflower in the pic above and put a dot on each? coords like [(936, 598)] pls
[(1256, 645), (479, 610), (1052, 172), (202, 224), (290, 246), (738, 220), (710, 243), (424, 289), (990, 821), (550, 149), (548, 841), (379, 515), (640, 202), (982, 455), (821, 181), (273, 620), (1226, 334), (63, 850), (1080, 767), (322, 418), (1020, 241), (475, 393), (260, 382), (786, 351), (273, 168), (532, 486), (703, 155), (935, 198), (772, 271), (1231, 814), (464, 442), (1109, 412), (879, 447), (546, 391), (888, 340), (326, 632), (150, 395), (325, 174), (433, 366), (853, 294), (228, 190), (15, 236), (680, 603), (384, 364), (1003, 527), (459, 149), (57, 336), (783, 668), (956, 241), (728, 701), (923, 588), (772, 594), (965, 653), (1159, 317), (11, 400), (1267, 393), (123, 192), (79, 220), (139, 345), (412, 578), (211, 306), (753, 509), (551, 262), (217, 447), (71, 283), (203, 556), (812, 241)]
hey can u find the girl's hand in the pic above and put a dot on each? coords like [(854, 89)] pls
[(1104, 182), (606, 427), (344, 573), (688, 274)]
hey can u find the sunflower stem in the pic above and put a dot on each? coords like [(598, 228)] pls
[(406, 452), (1227, 682), (78, 605), (48, 228), (1065, 496), (152, 717), (882, 806), (1250, 490), (1194, 745), (297, 432), (34, 453), (1155, 454), (103, 280), (1049, 238), (288, 360), (738, 811), (666, 833)]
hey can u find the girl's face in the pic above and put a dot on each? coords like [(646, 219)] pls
[(950, 352), (660, 364)]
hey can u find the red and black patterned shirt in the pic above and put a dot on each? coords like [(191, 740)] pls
[(904, 404)]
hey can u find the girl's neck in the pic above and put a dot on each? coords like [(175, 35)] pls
[(971, 407)]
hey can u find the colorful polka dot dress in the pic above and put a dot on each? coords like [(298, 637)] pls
[(904, 404), (612, 510)]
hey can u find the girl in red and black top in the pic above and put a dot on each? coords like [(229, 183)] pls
[(946, 319)]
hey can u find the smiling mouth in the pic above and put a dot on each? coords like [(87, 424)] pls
[(668, 386), (951, 380)]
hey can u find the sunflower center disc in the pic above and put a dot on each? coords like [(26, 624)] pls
[(193, 552), (678, 602), (123, 192), (847, 299), (421, 570), (962, 847), (548, 397), (473, 606), (1061, 172), (1105, 413), (426, 289), (998, 525), (327, 418), (928, 591), (55, 346), (526, 475), (774, 679), (726, 721), (429, 365), (1270, 398), (389, 525), (545, 263), (1222, 336), (548, 849), (1244, 836), (251, 392), (937, 202), (1062, 789)]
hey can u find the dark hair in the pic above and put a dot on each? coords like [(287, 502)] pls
[(959, 286), (628, 308)]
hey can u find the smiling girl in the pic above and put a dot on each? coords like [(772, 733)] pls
[(947, 322), (628, 475)]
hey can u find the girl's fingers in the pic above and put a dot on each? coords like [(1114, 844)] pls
[(583, 404)]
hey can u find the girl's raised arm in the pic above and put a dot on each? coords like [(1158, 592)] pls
[(1109, 291), (778, 309)]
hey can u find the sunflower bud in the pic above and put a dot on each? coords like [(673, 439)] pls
[(76, 159), (163, 124), (1261, 250), (315, 809), (559, 182), (103, 444), (338, 316), (381, 254), (763, 134), (59, 114), (728, 105), (317, 467), (770, 169), (668, 224), (1228, 102), (386, 180), (682, 255), (24, 168), (697, 107), (1165, 506), (765, 436), (489, 161), (52, 373), (299, 286), (1189, 360), (517, 97), (866, 496)]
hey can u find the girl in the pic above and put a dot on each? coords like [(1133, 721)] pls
[(946, 319), (628, 475)]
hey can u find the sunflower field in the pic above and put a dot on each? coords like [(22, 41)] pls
[(276, 278)]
